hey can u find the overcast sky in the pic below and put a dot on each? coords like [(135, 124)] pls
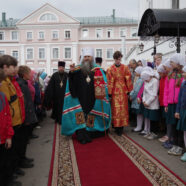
[(76, 8)]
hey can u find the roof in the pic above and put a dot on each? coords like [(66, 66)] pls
[(106, 20), (10, 23)]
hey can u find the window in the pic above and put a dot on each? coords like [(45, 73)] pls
[(109, 53), (175, 4), (29, 53), (98, 52), (2, 52), (14, 35), (84, 33), (67, 53), (41, 53), (123, 32), (41, 35), (134, 32), (29, 35), (55, 53), (2, 35), (109, 33), (67, 34), (99, 33), (55, 70), (48, 17), (55, 34), (15, 54)]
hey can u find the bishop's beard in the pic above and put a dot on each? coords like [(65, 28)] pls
[(86, 67)]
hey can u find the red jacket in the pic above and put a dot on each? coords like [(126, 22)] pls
[(161, 90), (6, 130), (20, 96)]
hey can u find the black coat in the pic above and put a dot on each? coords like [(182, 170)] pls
[(54, 95), (30, 116)]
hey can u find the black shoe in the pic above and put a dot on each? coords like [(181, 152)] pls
[(87, 137), (34, 136), (15, 183), (30, 160), (19, 172), (25, 164), (83, 141)]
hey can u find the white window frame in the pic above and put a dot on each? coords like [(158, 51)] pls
[(52, 34), (112, 33), (120, 31), (3, 35), (96, 33), (43, 35), (3, 51), (131, 32), (65, 33), (64, 52), (48, 12), (17, 52), (44, 53), (112, 54), (101, 52), (27, 55), (82, 33), (29, 39), (11, 35), (58, 52)]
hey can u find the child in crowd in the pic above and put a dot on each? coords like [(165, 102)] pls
[(133, 97), (162, 72), (6, 134), (150, 100), (172, 88), (181, 110), (24, 73)]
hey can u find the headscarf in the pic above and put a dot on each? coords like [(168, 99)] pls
[(178, 59), (161, 68), (167, 63), (43, 75), (144, 62), (147, 73), (184, 69), (139, 70)]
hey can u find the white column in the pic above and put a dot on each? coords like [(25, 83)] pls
[(74, 54), (48, 59), (22, 55), (123, 49)]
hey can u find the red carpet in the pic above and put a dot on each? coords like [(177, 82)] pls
[(107, 161), (102, 163)]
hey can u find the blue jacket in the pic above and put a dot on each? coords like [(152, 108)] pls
[(182, 98), (134, 93)]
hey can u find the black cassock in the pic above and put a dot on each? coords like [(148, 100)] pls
[(82, 89), (54, 95)]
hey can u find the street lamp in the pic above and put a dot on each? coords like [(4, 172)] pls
[(141, 47), (156, 41)]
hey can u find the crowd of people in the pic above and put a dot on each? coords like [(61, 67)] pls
[(88, 100), (158, 99), (21, 95)]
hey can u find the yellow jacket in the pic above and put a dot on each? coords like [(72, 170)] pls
[(9, 90)]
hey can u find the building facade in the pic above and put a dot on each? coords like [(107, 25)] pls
[(48, 35)]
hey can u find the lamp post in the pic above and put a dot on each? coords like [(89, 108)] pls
[(123, 48), (156, 41)]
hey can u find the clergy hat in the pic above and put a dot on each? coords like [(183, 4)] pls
[(61, 63), (87, 52), (98, 60)]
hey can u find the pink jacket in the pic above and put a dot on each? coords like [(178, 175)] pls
[(140, 92), (171, 91)]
